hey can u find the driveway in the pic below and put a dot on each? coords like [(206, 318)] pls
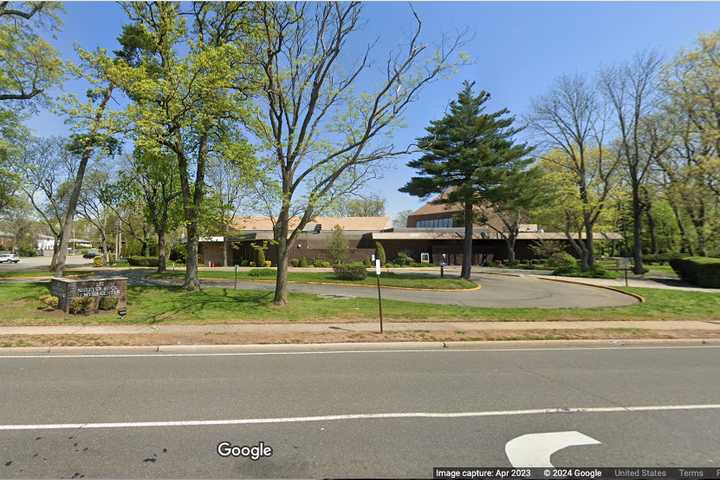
[(497, 291)]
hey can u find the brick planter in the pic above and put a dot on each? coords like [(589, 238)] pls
[(66, 289)]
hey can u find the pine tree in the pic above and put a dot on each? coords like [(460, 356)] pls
[(467, 154)]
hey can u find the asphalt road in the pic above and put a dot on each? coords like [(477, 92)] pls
[(28, 263), (497, 291), (283, 398)]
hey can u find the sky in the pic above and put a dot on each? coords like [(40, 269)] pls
[(517, 48)]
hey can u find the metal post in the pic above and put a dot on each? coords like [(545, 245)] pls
[(442, 270), (379, 303), (626, 276), (377, 275), (235, 276)]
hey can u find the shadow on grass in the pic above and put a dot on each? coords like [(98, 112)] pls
[(173, 301)]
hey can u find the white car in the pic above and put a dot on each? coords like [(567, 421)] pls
[(8, 257)]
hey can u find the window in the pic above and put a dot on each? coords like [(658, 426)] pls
[(444, 222)]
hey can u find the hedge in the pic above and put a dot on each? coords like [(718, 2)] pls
[(142, 261), (701, 271), (350, 271)]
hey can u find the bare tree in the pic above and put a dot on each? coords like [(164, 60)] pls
[(323, 140), (571, 123), (633, 93), (93, 206), (44, 170)]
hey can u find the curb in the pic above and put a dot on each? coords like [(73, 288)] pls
[(374, 346), (639, 298)]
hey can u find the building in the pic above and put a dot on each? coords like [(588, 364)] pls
[(311, 243), (433, 234), (7, 241), (435, 229)]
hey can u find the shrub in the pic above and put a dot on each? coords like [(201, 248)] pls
[(403, 259), (547, 248), (107, 303), (701, 271), (260, 253), (98, 261), (338, 245), (303, 262), (380, 253), (662, 258), (367, 261), (562, 260), (596, 271), (320, 263), (268, 263), (294, 262), (244, 262), (142, 261), (262, 272), (81, 305), (27, 252), (350, 271), (50, 300), (251, 264), (178, 254)]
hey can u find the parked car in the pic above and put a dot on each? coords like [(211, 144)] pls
[(91, 254), (8, 257)]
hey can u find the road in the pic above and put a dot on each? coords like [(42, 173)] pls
[(497, 291), (319, 409), (28, 263)]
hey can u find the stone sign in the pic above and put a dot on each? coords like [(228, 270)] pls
[(67, 288)]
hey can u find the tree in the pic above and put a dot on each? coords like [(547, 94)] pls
[(188, 71), (93, 207), (338, 245), (44, 171), (93, 125), (570, 122), (467, 155), (632, 90), (322, 140), (691, 167), (520, 195), (160, 185), (400, 220), (360, 207), (230, 177), (29, 65)]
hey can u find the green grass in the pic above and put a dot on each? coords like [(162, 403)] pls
[(149, 305), (406, 280), (39, 273)]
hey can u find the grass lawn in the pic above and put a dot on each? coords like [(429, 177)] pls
[(222, 305), (406, 280)]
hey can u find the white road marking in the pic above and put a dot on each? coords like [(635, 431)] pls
[(335, 352), (535, 449), (358, 416)]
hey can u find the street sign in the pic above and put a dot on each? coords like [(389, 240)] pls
[(624, 262), (377, 276), (377, 267)]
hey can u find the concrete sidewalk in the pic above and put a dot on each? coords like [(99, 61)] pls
[(352, 327)]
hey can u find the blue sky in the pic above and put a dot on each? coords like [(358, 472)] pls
[(518, 49)]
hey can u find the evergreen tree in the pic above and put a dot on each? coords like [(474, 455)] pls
[(467, 154)]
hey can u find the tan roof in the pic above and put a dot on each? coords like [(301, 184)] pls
[(364, 224)]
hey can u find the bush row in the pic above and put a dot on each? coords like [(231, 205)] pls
[(701, 271), (142, 261)]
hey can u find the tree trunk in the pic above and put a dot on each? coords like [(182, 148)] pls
[(589, 253), (281, 237), (58, 262), (639, 268), (192, 282), (685, 246), (226, 244), (510, 244), (467, 243), (162, 261)]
